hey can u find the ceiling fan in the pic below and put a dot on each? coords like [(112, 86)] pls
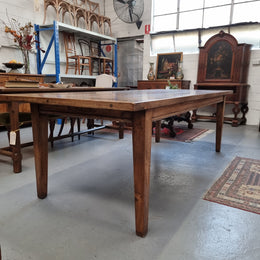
[(129, 11)]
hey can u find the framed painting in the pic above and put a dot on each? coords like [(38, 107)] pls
[(167, 64), (219, 61)]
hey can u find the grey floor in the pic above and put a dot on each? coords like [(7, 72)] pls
[(89, 211)]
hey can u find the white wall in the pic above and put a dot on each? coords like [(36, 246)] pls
[(24, 11)]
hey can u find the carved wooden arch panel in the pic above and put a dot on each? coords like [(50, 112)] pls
[(222, 59)]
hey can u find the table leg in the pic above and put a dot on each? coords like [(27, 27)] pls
[(142, 137), (157, 131), (13, 109), (40, 141), (219, 124)]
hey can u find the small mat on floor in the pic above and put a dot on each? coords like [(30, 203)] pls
[(183, 133), (239, 186)]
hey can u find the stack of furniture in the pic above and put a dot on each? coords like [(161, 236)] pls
[(90, 38), (92, 50), (84, 10), (74, 61), (223, 65)]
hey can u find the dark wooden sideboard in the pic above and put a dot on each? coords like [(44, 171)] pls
[(17, 77), (162, 83)]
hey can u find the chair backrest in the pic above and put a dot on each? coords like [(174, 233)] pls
[(69, 43), (93, 7), (84, 47), (104, 81), (94, 49)]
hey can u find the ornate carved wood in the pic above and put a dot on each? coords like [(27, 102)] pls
[(86, 10), (223, 65), (223, 43)]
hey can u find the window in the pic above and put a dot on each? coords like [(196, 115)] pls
[(186, 14), (194, 22)]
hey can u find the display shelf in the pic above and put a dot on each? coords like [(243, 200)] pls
[(79, 31), (75, 76), (58, 27)]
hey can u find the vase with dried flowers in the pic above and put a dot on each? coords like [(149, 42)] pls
[(23, 37)]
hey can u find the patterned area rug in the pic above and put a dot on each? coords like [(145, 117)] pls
[(183, 133), (239, 186)]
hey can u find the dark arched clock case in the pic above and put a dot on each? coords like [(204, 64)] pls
[(223, 65)]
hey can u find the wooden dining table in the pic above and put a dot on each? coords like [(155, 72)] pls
[(140, 107), (14, 151)]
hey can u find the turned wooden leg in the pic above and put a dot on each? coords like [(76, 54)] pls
[(194, 116), (90, 124), (52, 127), (40, 142), (244, 110), (219, 124), (78, 124), (142, 135), (188, 119), (62, 126), (71, 132), (236, 111), (157, 131), (13, 109), (121, 130)]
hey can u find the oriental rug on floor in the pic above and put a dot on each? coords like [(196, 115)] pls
[(239, 185)]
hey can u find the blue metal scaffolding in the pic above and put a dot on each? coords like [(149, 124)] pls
[(56, 27)]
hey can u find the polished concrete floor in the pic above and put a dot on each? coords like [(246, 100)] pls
[(89, 211)]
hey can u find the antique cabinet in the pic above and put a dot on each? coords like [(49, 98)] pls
[(16, 77), (162, 83), (223, 65)]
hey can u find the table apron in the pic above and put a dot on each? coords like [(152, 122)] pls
[(106, 114), (175, 109), (110, 114)]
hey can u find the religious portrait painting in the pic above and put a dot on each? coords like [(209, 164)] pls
[(219, 61)]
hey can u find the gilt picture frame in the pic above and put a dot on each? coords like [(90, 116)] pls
[(167, 65)]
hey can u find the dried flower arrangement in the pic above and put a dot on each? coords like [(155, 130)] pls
[(23, 37)]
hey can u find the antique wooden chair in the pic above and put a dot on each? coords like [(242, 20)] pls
[(103, 61), (105, 25), (86, 50), (60, 7), (25, 118), (81, 14), (95, 16), (74, 61)]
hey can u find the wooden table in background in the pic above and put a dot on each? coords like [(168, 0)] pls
[(140, 107), (14, 107)]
